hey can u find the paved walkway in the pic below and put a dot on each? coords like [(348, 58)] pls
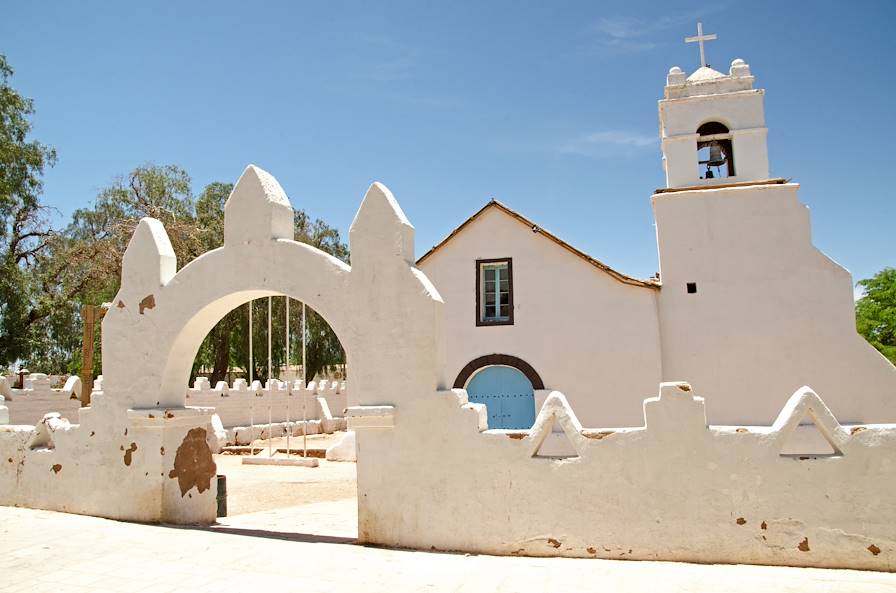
[(46, 551)]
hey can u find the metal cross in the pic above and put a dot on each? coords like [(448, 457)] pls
[(700, 38)]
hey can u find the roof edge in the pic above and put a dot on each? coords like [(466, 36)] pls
[(771, 181), (493, 203)]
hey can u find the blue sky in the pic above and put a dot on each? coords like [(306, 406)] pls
[(549, 107)]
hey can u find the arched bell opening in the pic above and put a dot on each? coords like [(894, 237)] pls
[(715, 153)]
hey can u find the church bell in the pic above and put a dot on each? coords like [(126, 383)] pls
[(716, 157)]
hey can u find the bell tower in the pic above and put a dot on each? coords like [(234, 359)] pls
[(712, 125)]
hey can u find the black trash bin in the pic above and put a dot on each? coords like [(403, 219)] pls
[(222, 495)]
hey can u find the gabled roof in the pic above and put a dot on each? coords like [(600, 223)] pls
[(652, 283)]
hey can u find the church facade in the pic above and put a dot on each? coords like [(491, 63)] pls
[(744, 308)]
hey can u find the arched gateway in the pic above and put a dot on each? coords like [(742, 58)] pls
[(139, 453)]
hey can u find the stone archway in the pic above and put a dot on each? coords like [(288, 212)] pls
[(138, 452)]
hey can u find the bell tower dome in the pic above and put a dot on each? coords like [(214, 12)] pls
[(712, 126)]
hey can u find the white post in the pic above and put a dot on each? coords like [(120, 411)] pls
[(270, 368), (251, 407), (288, 385), (251, 362), (270, 382), (304, 384), (252, 427)]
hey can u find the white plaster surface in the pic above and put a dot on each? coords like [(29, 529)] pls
[(37, 398), (672, 489), (583, 331), (344, 449), (238, 405), (771, 311), (706, 96)]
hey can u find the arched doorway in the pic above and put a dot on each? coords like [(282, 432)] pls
[(507, 394), (506, 385)]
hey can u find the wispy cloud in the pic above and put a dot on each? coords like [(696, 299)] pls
[(625, 34), (389, 61), (610, 143), (395, 69)]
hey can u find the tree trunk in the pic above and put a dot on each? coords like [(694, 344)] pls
[(222, 355)]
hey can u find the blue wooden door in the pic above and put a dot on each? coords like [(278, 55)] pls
[(507, 394)]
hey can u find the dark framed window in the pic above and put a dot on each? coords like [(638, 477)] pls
[(494, 291)]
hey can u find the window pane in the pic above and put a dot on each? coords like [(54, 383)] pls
[(494, 296)]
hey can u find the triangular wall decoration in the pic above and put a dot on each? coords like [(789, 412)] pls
[(803, 404), (556, 411)]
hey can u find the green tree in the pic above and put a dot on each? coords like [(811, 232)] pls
[(227, 344), (876, 312), (24, 233), (82, 263)]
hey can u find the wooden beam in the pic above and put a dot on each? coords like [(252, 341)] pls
[(89, 316)]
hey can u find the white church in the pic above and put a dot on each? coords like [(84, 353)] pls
[(744, 308)]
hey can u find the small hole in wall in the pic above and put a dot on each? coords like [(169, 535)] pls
[(692, 287)]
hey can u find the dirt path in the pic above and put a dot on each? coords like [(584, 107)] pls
[(254, 488)]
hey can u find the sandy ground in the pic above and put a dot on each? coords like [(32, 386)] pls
[(255, 488)]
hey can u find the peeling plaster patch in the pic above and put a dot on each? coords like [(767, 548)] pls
[(516, 435), (128, 453), (741, 521), (148, 302), (804, 545), (684, 387), (874, 550), (168, 415), (56, 467), (553, 542), (193, 463), (856, 429), (597, 435)]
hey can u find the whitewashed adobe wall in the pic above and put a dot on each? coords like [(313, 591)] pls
[(241, 404), (37, 398), (584, 332), (769, 307), (672, 489), (138, 453)]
